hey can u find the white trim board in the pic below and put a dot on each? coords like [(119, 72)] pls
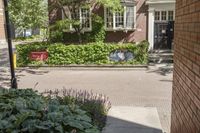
[(157, 6), (148, 2)]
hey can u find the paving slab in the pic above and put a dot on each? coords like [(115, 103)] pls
[(126, 119)]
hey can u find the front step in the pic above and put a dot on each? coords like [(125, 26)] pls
[(128, 119), (161, 56)]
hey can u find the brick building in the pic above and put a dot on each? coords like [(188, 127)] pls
[(186, 85), (141, 20), (2, 29)]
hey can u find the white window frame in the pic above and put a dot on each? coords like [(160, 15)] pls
[(80, 14), (114, 22), (167, 15)]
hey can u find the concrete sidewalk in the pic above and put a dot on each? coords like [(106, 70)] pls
[(4, 66), (126, 119), (139, 88)]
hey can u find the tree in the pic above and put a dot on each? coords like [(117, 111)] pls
[(70, 9), (27, 14)]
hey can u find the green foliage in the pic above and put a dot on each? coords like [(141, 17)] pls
[(92, 53), (23, 111), (57, 30), (24, 50), (26, 14), (98, 32), (29, 38), (96, 105)]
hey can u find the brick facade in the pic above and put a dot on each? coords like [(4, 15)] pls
[(137, 35), (186, 85), (2, 29)]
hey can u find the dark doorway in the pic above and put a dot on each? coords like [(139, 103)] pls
[(163, 35)]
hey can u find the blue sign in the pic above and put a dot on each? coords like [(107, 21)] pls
[(121, 55)]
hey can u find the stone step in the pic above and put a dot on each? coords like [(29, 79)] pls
[(161, 57), (161, 60), (161, 51), (127, 119)]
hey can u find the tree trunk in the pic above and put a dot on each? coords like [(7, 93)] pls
[(79, 37), (24, 33)]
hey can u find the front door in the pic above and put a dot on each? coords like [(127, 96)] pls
[(163, 35)]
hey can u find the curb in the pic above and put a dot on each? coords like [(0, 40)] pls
[(88, 67)]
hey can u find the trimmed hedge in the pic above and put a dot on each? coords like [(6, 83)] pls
[(92, 53)]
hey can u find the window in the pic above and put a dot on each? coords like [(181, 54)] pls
[(170, 15), (164, 15), (85, 18), (130, 17), (157, 15), (120, 20), (84, 15), (109, 18)]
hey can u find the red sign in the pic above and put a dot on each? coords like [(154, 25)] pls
[(39, 56)]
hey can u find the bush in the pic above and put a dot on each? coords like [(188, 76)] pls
[(25, 111), (92, 53), (96, 105), (24, 50)]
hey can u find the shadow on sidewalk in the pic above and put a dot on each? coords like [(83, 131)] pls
[(115, 125), (163, 70), (4, 57), (31, 71)]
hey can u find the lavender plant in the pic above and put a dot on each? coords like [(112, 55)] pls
[(97, 105)]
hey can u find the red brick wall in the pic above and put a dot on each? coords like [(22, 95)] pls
[(140, 32), (137, 35), (2, 31), (186, 85)]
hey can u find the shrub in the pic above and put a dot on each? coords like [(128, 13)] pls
[(96, 105), (25, 111), (24, 50), (98, 32), (92, 53)]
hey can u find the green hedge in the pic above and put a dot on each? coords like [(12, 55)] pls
[(92, 53)]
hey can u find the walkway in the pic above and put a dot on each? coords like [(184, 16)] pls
[(135, 88), (4, 66)]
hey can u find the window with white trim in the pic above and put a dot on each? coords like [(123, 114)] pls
[(122, 20), (85, 18), (157, 15), (130, 17), (84, 15), (119, 20), (109, 18), (164, 15), (170, 15)]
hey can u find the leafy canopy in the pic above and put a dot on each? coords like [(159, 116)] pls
[(26, 14)]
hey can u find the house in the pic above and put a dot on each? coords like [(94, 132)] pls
[(2, 28), (150, 20)]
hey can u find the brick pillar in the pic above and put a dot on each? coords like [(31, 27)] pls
[(186, 85)]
